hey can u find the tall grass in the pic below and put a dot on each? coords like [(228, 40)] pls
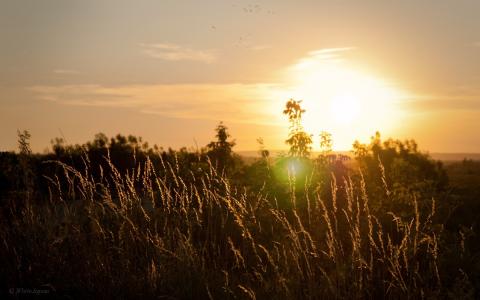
[(144, 234)]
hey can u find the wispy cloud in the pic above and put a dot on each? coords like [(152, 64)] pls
[(330, 53), (331, 50), (317, 58), (240, 103), (66, 72), (83, 95), (174, 52), (447, 102)]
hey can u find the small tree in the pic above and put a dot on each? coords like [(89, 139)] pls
[(264, 153), (325, 143), (326, 155), (25, 157), (220, 151), (58, 146), (298, 140), (24, 142)]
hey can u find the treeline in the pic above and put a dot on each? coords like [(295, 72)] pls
[(397, 164), (96, 157)]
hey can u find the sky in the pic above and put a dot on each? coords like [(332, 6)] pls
[(169, 71)]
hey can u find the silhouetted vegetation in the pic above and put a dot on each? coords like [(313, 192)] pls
[(298, 140), (118, 218)]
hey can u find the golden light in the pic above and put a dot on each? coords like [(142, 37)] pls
[(348, 103), (345, 108)]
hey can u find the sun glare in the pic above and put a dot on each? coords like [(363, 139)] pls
[(348, 103), (345, 108)]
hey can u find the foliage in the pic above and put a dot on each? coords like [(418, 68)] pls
[(116, 218), (220, 151), (24, 160), (403, 170), (264, 153), (298, 140), (155, 236), (24, 142), (325, 143)]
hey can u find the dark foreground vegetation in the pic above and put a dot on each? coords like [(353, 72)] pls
[(115, 218)]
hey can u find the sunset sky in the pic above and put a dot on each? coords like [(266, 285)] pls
[(169, 71)]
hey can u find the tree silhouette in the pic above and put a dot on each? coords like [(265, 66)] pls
[(326, 155), (264, 153), (402, 169), (25, 161), (220, 151), (24, 142), (298, 139), (325, 142)]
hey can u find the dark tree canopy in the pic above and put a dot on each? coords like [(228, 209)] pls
[(220, 150)]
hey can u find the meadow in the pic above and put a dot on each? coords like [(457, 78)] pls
[(115, 218)]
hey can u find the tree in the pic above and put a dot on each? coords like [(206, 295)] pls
[(58, 146), (100, 140), (325, 142), (326, 156), (220, 151), (24, 142), (298, 139), (397, 170), (25, 163), (264, 153)]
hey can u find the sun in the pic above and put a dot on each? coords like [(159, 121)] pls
[(345, 108), (343, 100)]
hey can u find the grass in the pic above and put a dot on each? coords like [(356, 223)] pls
[(148, 235)]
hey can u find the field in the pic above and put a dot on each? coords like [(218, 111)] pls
[(117, 219)]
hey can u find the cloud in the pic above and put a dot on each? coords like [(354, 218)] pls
[(240, 103), (66, 72), (330, 50), (318, 58), (329, 53), (433, 103), (83, 95), (174, 52), (465, 96)]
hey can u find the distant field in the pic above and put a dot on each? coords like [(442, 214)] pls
[(437, 156), (455, 156)]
